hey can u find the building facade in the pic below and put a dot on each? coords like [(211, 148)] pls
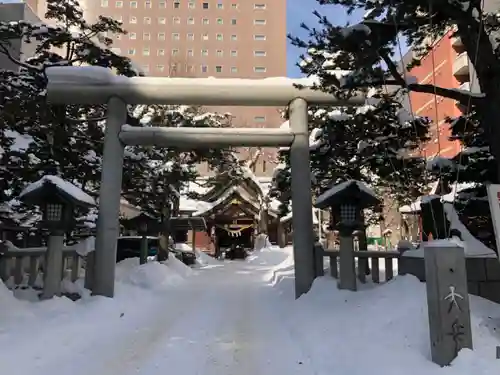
[(18, 50), (204, 38)]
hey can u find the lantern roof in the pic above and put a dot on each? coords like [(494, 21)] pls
[(53, 187), (351, 191)]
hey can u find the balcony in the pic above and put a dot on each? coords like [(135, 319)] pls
[(461, 65), (456, 42)]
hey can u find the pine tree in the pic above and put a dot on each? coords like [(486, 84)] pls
[(371, 50), (371, 144), (62, 140), (154, 177)]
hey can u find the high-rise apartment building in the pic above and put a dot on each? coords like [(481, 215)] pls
[(203, 38)]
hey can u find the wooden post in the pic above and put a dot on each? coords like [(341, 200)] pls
[(89, 270), (193, 240), (447, 301), (347, 274), (318, 260)]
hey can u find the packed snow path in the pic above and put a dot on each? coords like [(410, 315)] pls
[(222, 321)]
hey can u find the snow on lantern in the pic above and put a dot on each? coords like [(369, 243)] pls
[(57, 199)]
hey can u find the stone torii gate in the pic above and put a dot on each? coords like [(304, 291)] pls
[(95, 85)]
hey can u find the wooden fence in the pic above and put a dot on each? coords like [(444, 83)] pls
[(24, 266), (369, 257)]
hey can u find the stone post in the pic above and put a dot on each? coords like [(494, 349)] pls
[(447, 301)]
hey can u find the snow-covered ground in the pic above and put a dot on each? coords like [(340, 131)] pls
[(236, 319)]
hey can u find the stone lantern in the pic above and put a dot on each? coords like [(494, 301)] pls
[(57, 200), (143, 224), (346, 202)]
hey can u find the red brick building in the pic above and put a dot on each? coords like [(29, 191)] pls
[(446, 66)]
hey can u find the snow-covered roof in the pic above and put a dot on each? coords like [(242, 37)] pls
[(233, 189), (415, 206), (472, 246), (61, 185), (342, 186)]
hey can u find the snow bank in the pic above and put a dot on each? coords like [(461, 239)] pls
[(205, 260), (385, 325), (152, 275), (270, 256)]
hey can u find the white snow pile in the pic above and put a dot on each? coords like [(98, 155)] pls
[(152, 275), (205, 260), (472, 246), (201, 258), (268, 256), (386, 323)]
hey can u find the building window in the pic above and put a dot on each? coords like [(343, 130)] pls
[(132, 36), (259, 6), (133, 4), (160, 68), (204, 69), (104, 3), (191, 5), (205, 21), (147, 4), (119, 4), (161, 52), (259, 118), (161, 36), (177, 5), (176, 36), (234, 21), (133, 20), (190, 36), (259, 69), (190, 53), (146, 36), (204, 52), (234, 69), (175, 52), (205, 6), (220, 53), (190, 21), (259, 37), (234, 6), (220, 6), (218, 69), (147, 20), (259, 22), (234, 53), (145, 51), (162, 21), (204, 36), (220, 21), (162, 4), (234, 37), (131, 51), (219, 37), (259, 53), (176, 20)]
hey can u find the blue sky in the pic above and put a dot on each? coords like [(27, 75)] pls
[(301, 11)]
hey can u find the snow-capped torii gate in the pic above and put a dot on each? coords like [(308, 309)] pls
[(95, 85)]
